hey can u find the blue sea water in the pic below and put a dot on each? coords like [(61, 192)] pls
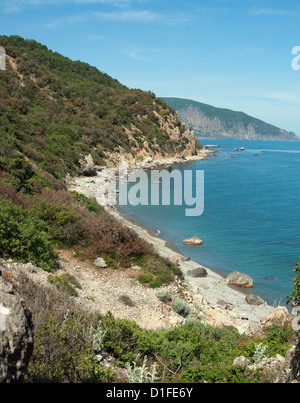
[(251, 218)]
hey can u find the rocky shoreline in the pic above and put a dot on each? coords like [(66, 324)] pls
[(221, 303)]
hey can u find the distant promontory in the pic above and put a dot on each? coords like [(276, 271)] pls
[(209, 122)]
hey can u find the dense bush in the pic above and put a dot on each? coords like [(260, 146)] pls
[(295, 294), (22, 236)]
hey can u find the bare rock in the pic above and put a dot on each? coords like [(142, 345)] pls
[(196, 273), (239, 280), (16, 335), (290, 372), (99, 262), (271, 367), (256, 300), (280, 315), (193, 241), (87, 166), (241, 362), (174, 259)]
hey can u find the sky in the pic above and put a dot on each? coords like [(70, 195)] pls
[(234, 54)]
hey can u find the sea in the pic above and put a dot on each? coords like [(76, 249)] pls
[(251, 217)]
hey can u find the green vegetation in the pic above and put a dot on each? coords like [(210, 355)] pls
[(68, 339), (295, 294), (181, 307), (54, 110), (22, 236), (65, 283), (156, 271)]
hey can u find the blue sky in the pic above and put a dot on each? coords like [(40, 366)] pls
[(235, 54)]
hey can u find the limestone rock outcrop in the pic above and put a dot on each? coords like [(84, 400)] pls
[(16, 335)]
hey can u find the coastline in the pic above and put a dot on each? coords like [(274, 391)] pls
[(227, 304), (212, 288)]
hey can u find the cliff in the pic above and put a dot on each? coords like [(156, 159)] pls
[(217, 123)]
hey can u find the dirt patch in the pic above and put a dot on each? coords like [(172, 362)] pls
[(110, 290)]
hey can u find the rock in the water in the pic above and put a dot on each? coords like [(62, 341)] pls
[(99, 262), (199, 272), (16, 335), (239, 279), (252, 299), (193, 241)]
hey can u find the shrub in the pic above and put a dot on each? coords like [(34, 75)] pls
[(63, 353), (180, 306), (164, 295), (61, 222), (22, 237), (295, 294), (259, 353), (92, 206), (141, 374), (65, 283), (219, 374)]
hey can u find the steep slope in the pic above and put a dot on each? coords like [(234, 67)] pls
[(216, 123), (54, 111)]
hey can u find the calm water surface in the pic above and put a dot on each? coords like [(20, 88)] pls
[(251, 219)]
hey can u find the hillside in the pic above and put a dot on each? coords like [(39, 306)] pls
[(217, 123), (99, 297), (55, 111)]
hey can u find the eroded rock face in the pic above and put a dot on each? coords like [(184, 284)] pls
[(16, 335)]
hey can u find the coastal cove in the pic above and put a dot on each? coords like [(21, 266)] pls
[(165, 228), (251, 216)]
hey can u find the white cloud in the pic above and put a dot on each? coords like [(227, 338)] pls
[(272, 12), (283, 97), (117, 16), (18, 5), (145, 55), (128, 16)]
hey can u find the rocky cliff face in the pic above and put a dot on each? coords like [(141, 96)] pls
[(217, 123), (181, 143), (16, 335)]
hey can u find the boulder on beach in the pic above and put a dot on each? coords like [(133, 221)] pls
[(256, 300), (193, 241), (239, 280), (196, 273)]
